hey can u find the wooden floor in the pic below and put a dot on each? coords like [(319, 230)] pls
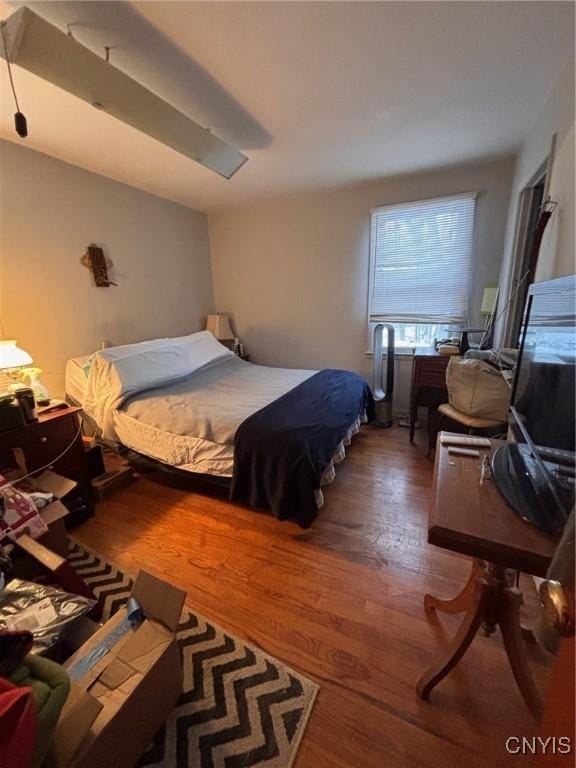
[(341, 602)]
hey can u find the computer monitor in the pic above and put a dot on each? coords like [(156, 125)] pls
[(535, 470)]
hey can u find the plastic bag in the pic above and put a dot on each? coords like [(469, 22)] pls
[(477, 389), (47, 612)]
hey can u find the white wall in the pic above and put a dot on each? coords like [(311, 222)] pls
[(294, 272), (557, 250), (50, 211)]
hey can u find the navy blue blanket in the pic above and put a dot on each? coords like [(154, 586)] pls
[(281, 451)]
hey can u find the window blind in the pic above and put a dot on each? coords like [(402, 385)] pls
[(555, 310), (421, 261)]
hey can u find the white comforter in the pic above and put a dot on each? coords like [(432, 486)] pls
[(181, 400), (192, 423), (119, 372)]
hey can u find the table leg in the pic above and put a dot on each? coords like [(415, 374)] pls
[(492, 601), (462, 601), (413, 415), (431, 431), (514, 643), (484, 594)]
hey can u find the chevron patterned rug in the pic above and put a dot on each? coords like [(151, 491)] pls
[(240, 707)]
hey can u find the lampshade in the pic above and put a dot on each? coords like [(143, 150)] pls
[(11, 356), (219, 325), (488, 299)]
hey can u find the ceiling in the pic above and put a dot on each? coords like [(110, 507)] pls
[(317, 94)]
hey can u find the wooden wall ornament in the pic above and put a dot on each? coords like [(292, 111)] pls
[(99, 264)]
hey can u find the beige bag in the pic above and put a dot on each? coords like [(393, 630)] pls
[(477, 389)]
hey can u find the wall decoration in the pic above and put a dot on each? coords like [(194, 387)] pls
[(98, 264)]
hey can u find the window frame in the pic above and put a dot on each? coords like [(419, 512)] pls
[(403, 351)]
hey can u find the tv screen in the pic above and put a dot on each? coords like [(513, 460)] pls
[(543, 399), (544, 388)]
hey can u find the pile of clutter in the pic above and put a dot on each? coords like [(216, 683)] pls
[(71, 687)]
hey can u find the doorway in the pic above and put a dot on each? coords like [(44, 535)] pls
[(526, 260)]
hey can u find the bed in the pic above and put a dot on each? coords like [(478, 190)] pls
[(273, 434)]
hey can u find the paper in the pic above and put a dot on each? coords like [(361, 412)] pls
[(35, 617)]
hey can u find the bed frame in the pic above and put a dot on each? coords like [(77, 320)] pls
[(145, 463)]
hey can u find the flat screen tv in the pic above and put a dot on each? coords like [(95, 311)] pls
[(535, 469)]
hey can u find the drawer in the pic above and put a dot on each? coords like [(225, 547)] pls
[(43, 443), (433, 377), (430, 372)]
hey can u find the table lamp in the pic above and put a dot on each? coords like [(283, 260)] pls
[(219, 326), (489, 296), (12, 359)]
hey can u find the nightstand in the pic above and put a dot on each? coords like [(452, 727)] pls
[(41, 443)]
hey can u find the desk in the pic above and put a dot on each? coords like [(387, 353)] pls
[(428, 383), (474, 520)]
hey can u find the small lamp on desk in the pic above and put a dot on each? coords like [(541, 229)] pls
[(488, 312), (219, 326), (489, 296)]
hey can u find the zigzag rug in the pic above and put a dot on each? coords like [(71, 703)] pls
[(239, 707)]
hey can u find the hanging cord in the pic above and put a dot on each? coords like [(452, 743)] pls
[(9, 67), (505, 378), (508, 303), (50, 463), (20, 122)]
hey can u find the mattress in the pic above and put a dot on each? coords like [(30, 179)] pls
[(75, 378), (191, 423)]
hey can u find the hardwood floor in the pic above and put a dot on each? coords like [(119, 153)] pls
[(341, 602)]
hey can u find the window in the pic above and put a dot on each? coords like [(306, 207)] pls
[(421, 267)]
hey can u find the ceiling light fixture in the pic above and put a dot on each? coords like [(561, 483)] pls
[(39, 47)]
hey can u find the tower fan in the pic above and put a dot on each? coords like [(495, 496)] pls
[(383, 396)]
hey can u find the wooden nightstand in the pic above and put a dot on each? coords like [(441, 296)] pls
[(42, 443)]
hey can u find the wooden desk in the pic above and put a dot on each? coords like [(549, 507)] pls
[(474, 520), (428, 383)]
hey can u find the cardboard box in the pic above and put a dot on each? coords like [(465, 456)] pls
[(53, 514), (118, 705)]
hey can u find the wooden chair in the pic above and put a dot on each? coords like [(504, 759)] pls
[(451, 420)]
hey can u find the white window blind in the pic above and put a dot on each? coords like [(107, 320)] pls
[(421, 261)]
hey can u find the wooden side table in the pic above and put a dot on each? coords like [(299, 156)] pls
[(428, 383), (473, 519), (44, 443)]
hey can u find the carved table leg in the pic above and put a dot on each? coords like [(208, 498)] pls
[(484, 594), (509, 621), (490, 600), (463, 599), (413, 416)]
